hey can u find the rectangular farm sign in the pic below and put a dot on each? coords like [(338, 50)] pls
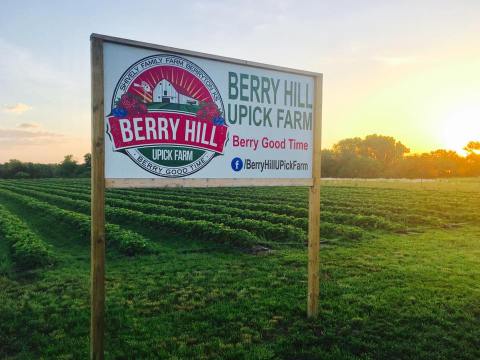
[(173, 115)]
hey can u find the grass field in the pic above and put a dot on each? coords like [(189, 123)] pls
[(400, 272)]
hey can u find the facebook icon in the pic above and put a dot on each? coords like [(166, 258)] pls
[(237, 164)]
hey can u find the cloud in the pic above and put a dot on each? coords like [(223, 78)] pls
[(10, 137), (30, 125), (18, 108), (37, 145), (395, 60), (15, 133)]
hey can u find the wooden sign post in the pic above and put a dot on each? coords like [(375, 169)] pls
[(97, 321), (314, 207), (167, 126)]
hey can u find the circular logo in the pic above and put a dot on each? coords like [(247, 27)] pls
[(237, 164), (167, 115)]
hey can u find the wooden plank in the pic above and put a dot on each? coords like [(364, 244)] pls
[(180, 182), (97, 324), (150, 46), (314, 207)]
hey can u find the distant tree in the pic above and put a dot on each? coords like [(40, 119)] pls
[(17, 169), (372, 156), (473, 147), (87, 160), (13, 166), (329, 163), (346, 155), (447, 163), (348, 147), (44, 170), (359, 167), (383, 148), (84, 169), (21, 175), (68, 167), (473, 159)]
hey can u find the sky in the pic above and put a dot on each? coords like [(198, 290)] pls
[(407, 69)]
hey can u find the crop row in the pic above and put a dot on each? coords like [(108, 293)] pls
[(290, 207), (392, 215), (194, 229), (365, 221), (269, 233), (421, 208), (331, 211), (347, 195), (218, 193), (223, 213), (229, 216), (201, 196), (186, 203), (354, 212), (250, 204), (27, 249), (300, 210), (300, 194), (126, 241), (261, 228)]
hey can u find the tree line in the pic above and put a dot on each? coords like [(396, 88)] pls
[(378, 156), (68, 168), (375, 156)]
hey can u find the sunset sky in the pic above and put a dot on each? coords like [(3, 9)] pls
[(408, 69)]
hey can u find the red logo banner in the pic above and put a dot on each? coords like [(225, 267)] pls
[(166, 128)]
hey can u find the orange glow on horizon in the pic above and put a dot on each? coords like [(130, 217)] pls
[(460, 126)]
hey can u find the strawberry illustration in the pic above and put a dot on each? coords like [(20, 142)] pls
[(208, 111), (132, 104)]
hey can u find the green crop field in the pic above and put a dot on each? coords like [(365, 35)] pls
[(222, 273)]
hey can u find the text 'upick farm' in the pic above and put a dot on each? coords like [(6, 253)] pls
[(269, 102)]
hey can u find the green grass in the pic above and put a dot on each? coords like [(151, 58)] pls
[(388, 296)]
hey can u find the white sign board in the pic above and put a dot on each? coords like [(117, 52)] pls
[(174, 115)]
